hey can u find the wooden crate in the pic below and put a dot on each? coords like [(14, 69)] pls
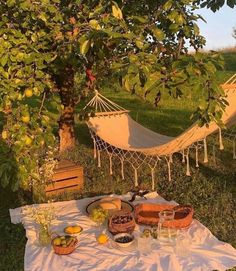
[(68, 177)]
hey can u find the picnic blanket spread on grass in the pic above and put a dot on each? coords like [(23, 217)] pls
[(206, 252)]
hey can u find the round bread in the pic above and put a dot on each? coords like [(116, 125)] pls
[(110, 203), (107, 205)]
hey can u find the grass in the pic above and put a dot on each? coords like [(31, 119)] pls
[(210, 190)]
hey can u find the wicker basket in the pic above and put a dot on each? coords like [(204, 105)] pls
[(116, 228), (65, 250), (149, 214)]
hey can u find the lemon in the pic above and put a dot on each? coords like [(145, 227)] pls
[(102, 238)]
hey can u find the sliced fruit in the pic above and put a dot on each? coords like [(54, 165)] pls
[(77, 229), (73, 229), (68, 229)]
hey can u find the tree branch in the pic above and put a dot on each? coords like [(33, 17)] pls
[(42, 103)]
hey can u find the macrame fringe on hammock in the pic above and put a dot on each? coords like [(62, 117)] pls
[(115, 133)]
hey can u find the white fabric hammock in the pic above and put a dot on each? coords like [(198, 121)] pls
[(114, 131)]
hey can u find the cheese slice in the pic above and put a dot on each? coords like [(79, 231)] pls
[(110, 203)]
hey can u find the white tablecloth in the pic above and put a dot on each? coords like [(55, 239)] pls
[(205, 253)]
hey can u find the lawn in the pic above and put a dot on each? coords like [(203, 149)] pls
[(210, 190)]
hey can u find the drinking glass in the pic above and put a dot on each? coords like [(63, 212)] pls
[(144, 244), (166, 231), (183, 243)]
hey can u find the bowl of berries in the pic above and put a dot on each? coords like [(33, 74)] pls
[(121, 222), (123, 239)]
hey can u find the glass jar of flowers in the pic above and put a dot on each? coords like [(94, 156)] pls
[(43, 217)]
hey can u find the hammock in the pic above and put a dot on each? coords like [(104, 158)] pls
[(116, 133)]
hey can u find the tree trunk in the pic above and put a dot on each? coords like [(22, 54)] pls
[(66, 129), (65, 82)]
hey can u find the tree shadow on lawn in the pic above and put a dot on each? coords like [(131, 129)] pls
[(223, 170)]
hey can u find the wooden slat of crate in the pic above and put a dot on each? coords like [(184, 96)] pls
[(68, 173), (63, 184), (67, 177), (61, 191)]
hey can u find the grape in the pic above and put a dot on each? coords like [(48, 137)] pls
[(99, 215)]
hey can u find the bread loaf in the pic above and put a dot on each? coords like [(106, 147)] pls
[(110, 203)]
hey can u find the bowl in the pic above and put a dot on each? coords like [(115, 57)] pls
[(121, 222), (64, 245), (123, 239)]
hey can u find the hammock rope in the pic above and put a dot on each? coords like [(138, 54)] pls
[(132, 143)]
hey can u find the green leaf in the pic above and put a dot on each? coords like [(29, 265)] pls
[(84, 47), (210, 67), (4, 60), (231, 3), (139, 44), (116, 11), (5, 74), (140, 19), (167, 5), (11, 3), (174, 27), (52, 107), (158, 33), (126, 84), (94, 24), (43, 17), (113, 34), (96, 11)]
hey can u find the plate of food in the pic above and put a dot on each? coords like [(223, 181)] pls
[(110, 204), (73, 229)]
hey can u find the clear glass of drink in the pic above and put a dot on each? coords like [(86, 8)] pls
[(144, 244), (167, 233), (183, 243)]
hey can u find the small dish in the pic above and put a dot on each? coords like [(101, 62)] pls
[(123, 239), (65, 244), (74, 229)]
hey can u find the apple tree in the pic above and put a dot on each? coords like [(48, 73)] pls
[(51, 49)]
